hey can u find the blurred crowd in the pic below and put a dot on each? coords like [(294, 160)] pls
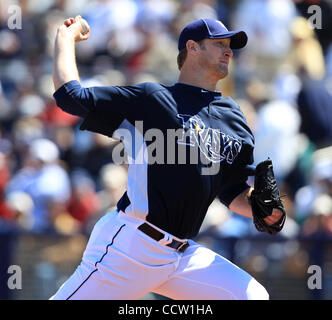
[(55, 178)]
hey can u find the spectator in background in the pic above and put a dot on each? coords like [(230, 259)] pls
[(5, 211), (98, 155), (319, 222), (268, 27), (276, 136), (315, 107), (323, 31), (84, 202), (114, 182), (314, 99), (21, 206), (319, 184), (306, 52), (45, 181)]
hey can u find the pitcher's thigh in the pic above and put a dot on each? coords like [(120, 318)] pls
[(203, 274), (117, 264), (104, 283)]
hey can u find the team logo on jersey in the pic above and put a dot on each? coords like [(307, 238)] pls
[(215, 145)]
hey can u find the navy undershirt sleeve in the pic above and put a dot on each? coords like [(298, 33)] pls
[(236, 181), (227, 197), (103, 108), (73, 98)]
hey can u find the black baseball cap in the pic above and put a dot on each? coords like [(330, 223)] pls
[(211, 29)]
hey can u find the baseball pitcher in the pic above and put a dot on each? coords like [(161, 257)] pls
[(146, 244)]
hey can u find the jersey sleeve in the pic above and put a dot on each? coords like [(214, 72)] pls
[(103, 108), (235, 180)]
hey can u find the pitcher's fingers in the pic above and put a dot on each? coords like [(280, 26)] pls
[(85, 36), (273, 218), (77, 18), (68, 22), (276, 214), (269, 220)]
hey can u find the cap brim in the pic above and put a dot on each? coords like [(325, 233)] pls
[(238, 38)]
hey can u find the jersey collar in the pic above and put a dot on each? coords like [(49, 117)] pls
[(198, 90)]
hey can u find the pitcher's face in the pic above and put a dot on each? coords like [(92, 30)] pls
[(214, 57)]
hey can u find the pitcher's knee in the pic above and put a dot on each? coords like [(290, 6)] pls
[(255, 291)]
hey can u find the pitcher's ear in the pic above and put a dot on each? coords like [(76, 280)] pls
[(192, 47)]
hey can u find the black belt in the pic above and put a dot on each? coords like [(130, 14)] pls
[(157, 235)]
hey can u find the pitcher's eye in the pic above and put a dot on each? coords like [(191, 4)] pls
[(221, 44)]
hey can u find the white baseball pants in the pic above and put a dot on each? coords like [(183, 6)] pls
[(122, 263)]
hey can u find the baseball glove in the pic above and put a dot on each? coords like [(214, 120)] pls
[(265, 198)]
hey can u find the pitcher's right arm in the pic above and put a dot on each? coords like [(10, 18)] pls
[(64, 61)]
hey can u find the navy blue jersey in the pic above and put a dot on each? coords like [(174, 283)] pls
[(186, 145)]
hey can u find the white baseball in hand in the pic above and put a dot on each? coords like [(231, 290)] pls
[(79, 27), (84, 26)]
